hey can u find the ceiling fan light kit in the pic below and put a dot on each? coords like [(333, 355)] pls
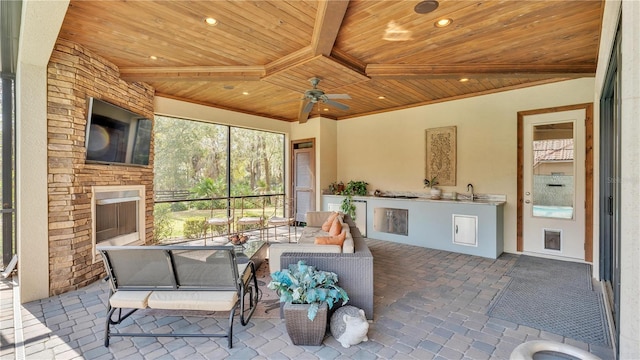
[(315, 95)]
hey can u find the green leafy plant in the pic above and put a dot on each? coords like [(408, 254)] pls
[(430, 183), (162, 224), (194, 228), (353, 188), (304, 284)]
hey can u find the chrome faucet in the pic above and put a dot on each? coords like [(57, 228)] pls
[(470, 186)]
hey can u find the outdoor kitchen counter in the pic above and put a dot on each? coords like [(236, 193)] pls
[(462, 226)]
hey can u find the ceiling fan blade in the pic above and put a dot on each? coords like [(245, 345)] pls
[(336, 104), (305, 108), (337, 96)]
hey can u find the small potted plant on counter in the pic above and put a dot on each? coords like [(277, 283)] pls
[(308, 293), (431, 183), (336, 187), (357, 188)]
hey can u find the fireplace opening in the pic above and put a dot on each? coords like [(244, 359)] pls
[(118, 215), (113, 220)]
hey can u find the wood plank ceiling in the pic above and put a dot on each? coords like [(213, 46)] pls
[(259, 57)]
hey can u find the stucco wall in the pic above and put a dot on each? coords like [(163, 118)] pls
[(388, 150)]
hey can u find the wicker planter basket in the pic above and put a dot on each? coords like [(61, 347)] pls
[(303, 331)]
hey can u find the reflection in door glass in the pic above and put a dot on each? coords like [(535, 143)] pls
[(553, 170)]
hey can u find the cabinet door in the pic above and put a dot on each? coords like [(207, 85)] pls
[(361, 216), (465, 230)]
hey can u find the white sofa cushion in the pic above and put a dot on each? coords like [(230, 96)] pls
[(306, 242)]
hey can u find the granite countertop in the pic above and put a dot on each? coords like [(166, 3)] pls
[(480, 199)]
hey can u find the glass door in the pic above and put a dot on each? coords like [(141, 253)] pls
[(610, 178), (554, 184)]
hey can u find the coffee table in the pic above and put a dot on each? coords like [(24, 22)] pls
[(255, 250)]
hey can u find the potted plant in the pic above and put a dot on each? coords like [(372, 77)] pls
[(307, 294), (357, 188), (336, 187), (431, 183)]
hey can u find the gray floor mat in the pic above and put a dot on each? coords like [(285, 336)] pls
[(556, 296)]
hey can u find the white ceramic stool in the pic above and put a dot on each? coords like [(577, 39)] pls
[(527, 350)]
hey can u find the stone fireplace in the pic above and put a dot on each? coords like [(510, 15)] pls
[(117, 215), (90, 203)]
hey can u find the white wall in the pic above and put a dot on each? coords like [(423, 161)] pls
[(185, 110), (328, 153), (41, 21), (388, 150)]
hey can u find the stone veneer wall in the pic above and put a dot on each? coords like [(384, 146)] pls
[(74, 75)]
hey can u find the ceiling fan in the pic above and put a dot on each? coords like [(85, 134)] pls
[(315, 95)]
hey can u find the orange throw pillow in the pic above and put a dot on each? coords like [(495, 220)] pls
[(331, 240), (327, 223), (336, 228)]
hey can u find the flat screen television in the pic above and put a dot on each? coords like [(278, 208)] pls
[(116, 136)]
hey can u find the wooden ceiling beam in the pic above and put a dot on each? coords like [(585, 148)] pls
[(193, 73), (348, 61), (296, 58), (327, 25), (399, 72)]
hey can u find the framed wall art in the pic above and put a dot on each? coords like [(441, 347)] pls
[(441, 155)]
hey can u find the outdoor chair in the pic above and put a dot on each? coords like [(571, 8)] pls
[(174, 277), (288, 219), (225, 221), (248, 208)]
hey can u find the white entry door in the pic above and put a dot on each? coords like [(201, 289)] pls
[(554, 184)]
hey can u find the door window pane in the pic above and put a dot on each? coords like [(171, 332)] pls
[(553, 171)]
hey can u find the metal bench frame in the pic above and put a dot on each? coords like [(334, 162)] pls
[(246, 284)]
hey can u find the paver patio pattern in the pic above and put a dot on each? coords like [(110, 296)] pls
[(428, 304)]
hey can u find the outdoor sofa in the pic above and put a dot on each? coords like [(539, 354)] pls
[(353, 262)]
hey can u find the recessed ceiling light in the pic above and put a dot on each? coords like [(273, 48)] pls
[(424, 7), (326, 109), (245, 93), (464, 79), (443, 22), (153, 57), (211, 21), (381, 97)]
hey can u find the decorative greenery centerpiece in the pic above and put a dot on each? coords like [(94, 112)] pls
[(431, 183), (304, 284), (357, 188)]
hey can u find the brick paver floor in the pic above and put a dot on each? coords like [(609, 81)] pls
[(428, 304)]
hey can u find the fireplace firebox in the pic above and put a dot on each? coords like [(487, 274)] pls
[(118, 215)]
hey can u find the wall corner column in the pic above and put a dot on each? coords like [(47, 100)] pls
[(629, 347), (40, 25)]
